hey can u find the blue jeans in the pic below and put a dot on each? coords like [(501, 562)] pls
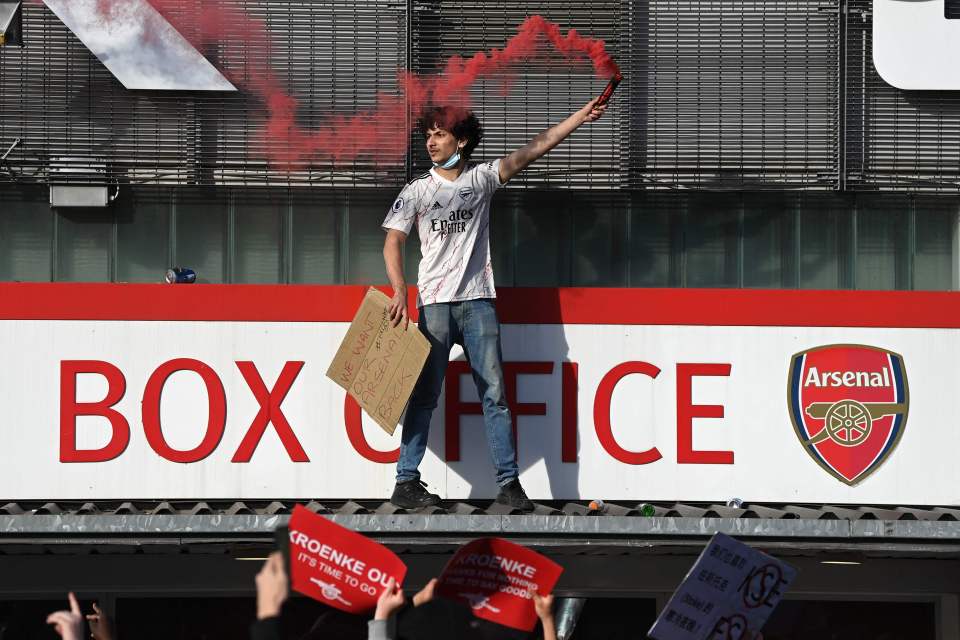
[(474, 325)]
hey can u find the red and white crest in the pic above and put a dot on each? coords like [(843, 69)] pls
[(848, 405)]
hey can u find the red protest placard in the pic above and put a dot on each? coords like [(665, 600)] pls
[(337, 566), (496, 577)]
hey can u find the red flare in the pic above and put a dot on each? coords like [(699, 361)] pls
[(609, 89)]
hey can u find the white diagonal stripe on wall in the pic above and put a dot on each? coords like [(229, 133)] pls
[(139, 46)]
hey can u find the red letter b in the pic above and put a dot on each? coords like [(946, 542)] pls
[(70, 409)]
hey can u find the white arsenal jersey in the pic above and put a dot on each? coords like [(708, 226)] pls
[(453, 221)]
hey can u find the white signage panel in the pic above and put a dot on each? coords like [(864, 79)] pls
[(242, 410), (915, 44)]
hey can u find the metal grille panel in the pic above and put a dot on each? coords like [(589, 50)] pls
[(951, 9), (516, 107), (734, 95), (895, 140), (753, 95), (333, 56)]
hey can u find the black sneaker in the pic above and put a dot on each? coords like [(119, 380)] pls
[(512, 494), (412, 495)]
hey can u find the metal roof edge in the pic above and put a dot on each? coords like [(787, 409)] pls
[(914, 529), (552, 526)]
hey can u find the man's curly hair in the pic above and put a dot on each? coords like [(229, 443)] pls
[(462, 123)]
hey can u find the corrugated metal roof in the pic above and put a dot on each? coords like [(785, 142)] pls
[(556, 524), (485, 507)]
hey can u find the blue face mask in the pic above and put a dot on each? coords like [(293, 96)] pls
[(450, 163)]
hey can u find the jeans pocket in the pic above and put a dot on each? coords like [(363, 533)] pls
[(482, 319)]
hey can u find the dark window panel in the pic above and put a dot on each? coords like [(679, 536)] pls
[(769, 240), (143, 236), (710, 240), (26, 235), (315, 239), (27, 619), (825, 242), (201, 242), (934, 259), (503, 222), (258, 233), (216, 617), (599, 240), (84, 239), (656, 240), (411, 256), (882, 242), (366, 212), (543, 240), (852, 620)]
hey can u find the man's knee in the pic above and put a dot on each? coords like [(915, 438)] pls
[(494, 393), (423, 403), (426, 393)]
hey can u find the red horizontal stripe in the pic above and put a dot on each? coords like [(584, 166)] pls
[(305, 303)]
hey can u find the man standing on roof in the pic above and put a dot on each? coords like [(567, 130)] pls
[(450, 205)]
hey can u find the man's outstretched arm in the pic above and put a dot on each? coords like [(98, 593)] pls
[(527, 155)]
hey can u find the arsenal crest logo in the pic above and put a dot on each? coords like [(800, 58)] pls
[(848, 405)]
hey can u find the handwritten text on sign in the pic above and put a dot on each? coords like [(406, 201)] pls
[(338, 566), (497, 578), (377, 363), (732, 588)]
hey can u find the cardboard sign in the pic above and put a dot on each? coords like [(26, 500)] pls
[(378, 364), (732, 588), (496, 577), (337, 566)]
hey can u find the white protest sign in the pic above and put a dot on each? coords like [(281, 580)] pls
[(730, 590)]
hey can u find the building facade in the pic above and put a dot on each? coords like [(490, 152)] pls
[(758, 209)]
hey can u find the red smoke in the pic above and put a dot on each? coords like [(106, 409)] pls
[(454, 82), (377, 134)]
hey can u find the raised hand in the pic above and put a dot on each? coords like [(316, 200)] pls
[(425, 595), (390, 600), (591, 112), (544, 608), (99, 624), (543, 605), (68, 624), (272, 589)]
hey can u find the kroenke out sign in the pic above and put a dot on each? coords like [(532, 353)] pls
[(337, 566), (644, 395), (497, 578)]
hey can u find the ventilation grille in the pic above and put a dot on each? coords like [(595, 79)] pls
[(717, 95)]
